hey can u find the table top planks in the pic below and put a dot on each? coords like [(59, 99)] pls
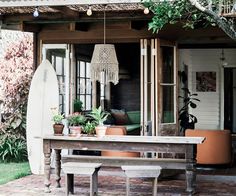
[(132, 139)]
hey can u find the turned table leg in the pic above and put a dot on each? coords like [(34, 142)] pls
[(47, 162), (191, 169), (58, 167)]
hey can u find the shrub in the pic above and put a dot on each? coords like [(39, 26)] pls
[(12, 148)]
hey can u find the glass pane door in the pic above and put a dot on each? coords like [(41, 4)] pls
[(58, 55)]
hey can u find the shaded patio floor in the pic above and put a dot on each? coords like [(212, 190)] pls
[(112, 182)]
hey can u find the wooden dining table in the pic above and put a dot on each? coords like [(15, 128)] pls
[(160, 144)]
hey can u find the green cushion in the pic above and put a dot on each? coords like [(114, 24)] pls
[(134, 117), (132, 127)]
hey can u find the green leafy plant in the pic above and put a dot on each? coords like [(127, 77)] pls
[(186, 119), (12, 148), (76, 119), (78, 105), (89, 128), (57, 118), (98, 115), (170, 12)]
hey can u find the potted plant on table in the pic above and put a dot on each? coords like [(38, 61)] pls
[(58, 125), (75, 122), (98, 116), (187, 120), (89, 128)]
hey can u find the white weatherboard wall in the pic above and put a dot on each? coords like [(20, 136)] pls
[(208, 111)]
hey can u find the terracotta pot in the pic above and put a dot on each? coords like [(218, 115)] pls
[(75, 130), (58, 129), (100, 131), (118, 130), (216, 149)]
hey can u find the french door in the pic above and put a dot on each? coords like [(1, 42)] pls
[(59, 56), (158, 87)]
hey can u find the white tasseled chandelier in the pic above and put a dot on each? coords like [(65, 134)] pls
[(104, 63)]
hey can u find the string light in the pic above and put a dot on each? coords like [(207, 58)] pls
[(36, 12), (89, 11), (146, 10)]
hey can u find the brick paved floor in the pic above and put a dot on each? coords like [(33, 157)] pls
[(110, 185)]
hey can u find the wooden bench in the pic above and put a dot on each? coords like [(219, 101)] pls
[(164, 163), (144, 171), (91, 169)]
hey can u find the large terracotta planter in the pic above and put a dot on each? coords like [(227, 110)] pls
[(118, 130), (216, 149)]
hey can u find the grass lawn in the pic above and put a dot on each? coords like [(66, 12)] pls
[(11, 171)]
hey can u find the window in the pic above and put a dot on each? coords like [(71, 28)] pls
[(168, 85), (84, 84)]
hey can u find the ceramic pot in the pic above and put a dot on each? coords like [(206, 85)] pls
[(216, 149), (101, 131), (75, 130), (58, 129)]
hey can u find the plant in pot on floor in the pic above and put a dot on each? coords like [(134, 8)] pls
[(58, 125), (187, 120), (78, 105), (98, 117), (75, 123)]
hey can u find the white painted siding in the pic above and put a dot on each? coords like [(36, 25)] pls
[(200, 60)]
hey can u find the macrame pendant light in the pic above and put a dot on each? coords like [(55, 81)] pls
[(104, 63)]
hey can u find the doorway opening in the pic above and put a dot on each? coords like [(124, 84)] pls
[(124, 95), (230, 99)]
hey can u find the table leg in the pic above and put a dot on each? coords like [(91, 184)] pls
[(191, 168), (47, 170), (58, 167)]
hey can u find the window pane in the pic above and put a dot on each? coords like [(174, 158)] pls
[(167, 64), (88, 102), (82, 86), (59, 65), (82, 69), (168, 104), (87, 70), (82, 98), (88, 86)]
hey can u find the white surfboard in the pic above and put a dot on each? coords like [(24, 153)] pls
[(43, 95)]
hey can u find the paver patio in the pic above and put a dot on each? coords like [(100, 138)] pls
[(112, 183)]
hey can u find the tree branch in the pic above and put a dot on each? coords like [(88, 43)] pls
[(220, 21)]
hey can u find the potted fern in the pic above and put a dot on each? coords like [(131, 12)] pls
[(98, 116)]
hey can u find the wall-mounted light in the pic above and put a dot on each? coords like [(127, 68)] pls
[(36, 12), (223, 59), (146, 10), (89, 11)]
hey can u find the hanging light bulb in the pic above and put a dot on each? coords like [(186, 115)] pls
[(89, 11), (36, 12), (146, 10)]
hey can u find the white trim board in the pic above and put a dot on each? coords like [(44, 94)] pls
[(25, 3)]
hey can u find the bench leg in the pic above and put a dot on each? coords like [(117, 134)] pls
[(69, 181), (127, 186), (154, 187), (94, 184)]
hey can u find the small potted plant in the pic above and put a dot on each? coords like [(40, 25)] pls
[(89, 128), (58, 125), (187, 120), (75, 122), (98, 116)]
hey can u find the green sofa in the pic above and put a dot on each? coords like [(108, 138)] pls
[(133, 128)]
